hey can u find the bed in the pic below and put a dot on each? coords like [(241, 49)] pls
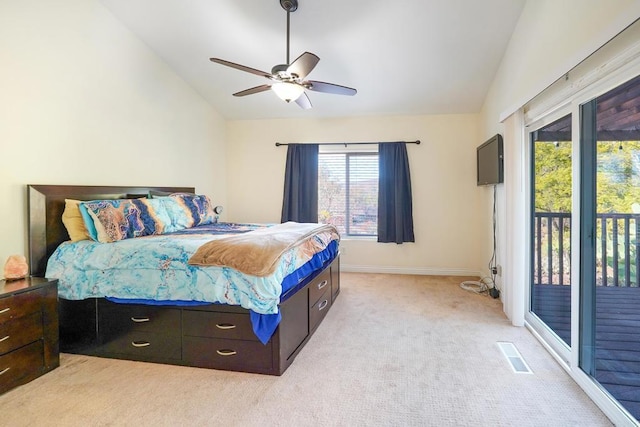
[(181, 332)]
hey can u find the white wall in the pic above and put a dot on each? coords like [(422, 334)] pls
[(551, 37), (83, 101), (443, 173)]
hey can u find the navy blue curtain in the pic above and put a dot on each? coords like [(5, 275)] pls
[(395, 207), (300, 201)]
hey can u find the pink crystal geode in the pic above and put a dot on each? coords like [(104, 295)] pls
[(16, 268)]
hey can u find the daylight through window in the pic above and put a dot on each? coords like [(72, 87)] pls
[(348, 192)]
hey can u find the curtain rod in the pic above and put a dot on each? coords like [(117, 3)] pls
[(278, 144)]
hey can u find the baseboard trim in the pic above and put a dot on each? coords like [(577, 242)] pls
[(423, 271)]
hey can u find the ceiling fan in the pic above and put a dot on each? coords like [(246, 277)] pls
[(289, 79)]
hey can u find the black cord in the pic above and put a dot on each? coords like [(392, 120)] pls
[(492, 262)]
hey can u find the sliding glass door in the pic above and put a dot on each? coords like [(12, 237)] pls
[(551, 198), (610, 242), (589, 314)]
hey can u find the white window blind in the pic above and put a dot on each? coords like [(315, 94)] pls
[(348, 192)]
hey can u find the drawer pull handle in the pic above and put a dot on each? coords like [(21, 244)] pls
[(226, 352), (225, 326), (140, 319), (4, 371), (4, 339), (4, 310), (322, 284), (322, 305), (140, 343)]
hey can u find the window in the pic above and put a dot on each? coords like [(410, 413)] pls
[(348, 192)]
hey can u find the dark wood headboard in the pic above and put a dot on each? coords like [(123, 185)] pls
[(46, 204)]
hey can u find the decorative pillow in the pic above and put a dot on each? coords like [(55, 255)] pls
[(127, 218), (188, 210), (88, 222), (73, 221)]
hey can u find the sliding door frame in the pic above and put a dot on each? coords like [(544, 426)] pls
[(587, 255), (544, 332), (571, 358)]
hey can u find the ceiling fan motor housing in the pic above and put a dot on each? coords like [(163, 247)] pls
[(289, 5), (281, 71)]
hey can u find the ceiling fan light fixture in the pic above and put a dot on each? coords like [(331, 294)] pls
[(288, 79), (287, 91)]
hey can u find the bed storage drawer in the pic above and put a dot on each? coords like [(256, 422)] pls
[(318, 286), (250, 356), (139, 331), (20, 332), (319, 309), (218, 325), (21, 366), (144, 345), (115, 318)]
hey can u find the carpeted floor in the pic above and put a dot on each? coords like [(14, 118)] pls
[(392, 351)]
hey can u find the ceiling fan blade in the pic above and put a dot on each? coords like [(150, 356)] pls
[(303, 101), (241, 67), (329, 88), (303, 65), (253, 90)]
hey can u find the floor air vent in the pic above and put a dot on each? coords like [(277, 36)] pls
[(514, 358)]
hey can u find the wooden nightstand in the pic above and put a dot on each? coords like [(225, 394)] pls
[(28, 330)]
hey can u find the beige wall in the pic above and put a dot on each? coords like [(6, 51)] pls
[(551, 37), (443, 182), (83, 101)]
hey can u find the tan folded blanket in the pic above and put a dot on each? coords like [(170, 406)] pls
[(256, 252)]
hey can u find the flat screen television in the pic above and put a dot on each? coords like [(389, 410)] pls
[(490, 162)]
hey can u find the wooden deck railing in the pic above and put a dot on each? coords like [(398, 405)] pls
[(618, 240)]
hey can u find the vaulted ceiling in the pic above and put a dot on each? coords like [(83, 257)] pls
[(405, 57)]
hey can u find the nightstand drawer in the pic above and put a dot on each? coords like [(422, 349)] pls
[(28, 330), (20, 332), (21, 366), (218, 325), (19, 305)]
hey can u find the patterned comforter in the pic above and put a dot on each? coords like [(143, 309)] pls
[(156, 268)]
